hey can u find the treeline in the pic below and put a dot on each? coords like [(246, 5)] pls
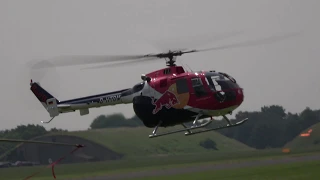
[(271, 127), (24, 132), (115, 120)]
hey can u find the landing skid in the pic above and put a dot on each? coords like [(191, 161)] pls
[(189, 132), (220, 127)]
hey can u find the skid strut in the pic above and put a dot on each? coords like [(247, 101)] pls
[(194, 126)]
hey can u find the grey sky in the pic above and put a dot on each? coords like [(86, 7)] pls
[(282, 73)]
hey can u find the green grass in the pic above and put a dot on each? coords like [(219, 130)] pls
[(312, 141), (298, 170), (140, 163), (135, 141), (143, 153)]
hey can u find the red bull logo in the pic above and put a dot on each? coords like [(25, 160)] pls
[(168, 99)]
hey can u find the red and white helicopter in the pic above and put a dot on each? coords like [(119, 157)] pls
[(166, 97)]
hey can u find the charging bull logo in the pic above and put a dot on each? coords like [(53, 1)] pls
[(168, 99)]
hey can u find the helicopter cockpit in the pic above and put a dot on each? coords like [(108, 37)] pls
[(220, 81), (223, 84)]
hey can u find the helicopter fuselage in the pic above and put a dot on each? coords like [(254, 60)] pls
[(170, 96), (173, 96)]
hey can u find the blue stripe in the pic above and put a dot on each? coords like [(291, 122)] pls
[(93, 98)]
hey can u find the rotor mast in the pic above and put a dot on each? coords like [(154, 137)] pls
[(172, 60)]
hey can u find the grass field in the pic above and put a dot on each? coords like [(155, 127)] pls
[(177, 150), (299, 170), (142, 164), (306, 141), (132, 142), (135, 141)]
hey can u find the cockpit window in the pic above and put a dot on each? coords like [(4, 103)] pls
[(196, 82), (218, 82), (227, 84), (212, 82), (137, 87), (227, 76), (198, 87)]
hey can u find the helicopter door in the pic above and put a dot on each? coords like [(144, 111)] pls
[(199, 89), (216, 87), (182, 86)]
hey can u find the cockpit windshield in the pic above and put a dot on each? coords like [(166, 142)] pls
[(220, 82)]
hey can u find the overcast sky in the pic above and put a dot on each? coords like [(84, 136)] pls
[(283, 73)]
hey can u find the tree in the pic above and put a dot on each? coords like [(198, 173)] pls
[(24, 132), (271, 127)]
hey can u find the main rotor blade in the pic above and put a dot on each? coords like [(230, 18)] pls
[(71, 60), (38, 142), (181, 43), (268, 40), (94, 59), (119, 64)]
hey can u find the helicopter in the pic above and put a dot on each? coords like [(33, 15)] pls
[(165, 97)]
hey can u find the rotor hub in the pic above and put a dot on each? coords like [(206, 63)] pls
[(170, 60), (170, 57)]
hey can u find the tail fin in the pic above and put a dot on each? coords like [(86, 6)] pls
[(46, 99)]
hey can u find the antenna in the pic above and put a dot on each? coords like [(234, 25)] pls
[(189, 68), (183, 66)]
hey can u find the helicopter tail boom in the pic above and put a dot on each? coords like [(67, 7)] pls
[(46, 99), (83, 104)]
